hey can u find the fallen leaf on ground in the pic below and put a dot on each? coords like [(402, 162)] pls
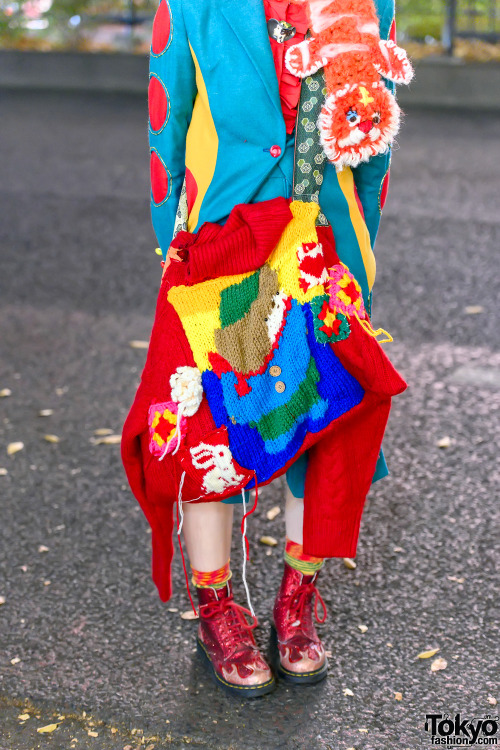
[(438, 664), (398, 549), (45, 412), (14, 448), (23, 717), (137, 344), (474, 309), (173, 609), (363, 628), (444, 442), (398, 696), (427, 654), (42, 548), (491, 700), (2, 599), (5, 392), (189, 615), (3, 472), (92, 734), (457, 580), (349, 563), (103, 431), (15, 660), (108, 440), (269, 540), (52, 438), (47, 729), (271, 514), (363, 730), (347, 691)]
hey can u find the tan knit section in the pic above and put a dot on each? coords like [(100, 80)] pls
[(245, 344)]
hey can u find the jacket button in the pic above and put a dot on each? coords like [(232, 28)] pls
[(280, 386), (275, 151), (275, 370)]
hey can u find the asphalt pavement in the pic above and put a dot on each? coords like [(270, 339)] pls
[(86, 644)]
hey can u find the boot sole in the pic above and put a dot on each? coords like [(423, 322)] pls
[(296, 678), (242, 691)]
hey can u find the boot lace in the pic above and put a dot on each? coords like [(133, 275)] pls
[(235, 616), (299, 599)]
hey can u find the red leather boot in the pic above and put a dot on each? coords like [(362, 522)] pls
[(298, 653), (227, 644)]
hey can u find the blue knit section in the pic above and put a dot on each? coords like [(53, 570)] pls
[(338, 389), (292, 356)]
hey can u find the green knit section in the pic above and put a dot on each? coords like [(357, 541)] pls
[(236, 300), (283, 418), (305, 567), (321, 336)]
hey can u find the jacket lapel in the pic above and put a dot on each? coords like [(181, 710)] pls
[(248, 21)]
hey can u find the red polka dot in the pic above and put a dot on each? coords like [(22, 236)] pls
[(158, 104), (191, 190), (159, 179), (392, 32), (383, 192), (162, 28)]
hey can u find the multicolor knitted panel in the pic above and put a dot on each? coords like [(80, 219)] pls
[(261, 341)]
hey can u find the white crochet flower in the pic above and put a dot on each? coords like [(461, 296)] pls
[(187, 389)]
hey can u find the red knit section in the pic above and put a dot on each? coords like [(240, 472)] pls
[(339, 483), (242, 244)]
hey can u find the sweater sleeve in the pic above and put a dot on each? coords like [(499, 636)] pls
[(372, 178), (171, 94)]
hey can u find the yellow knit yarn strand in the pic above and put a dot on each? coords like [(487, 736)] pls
[(366, 326)]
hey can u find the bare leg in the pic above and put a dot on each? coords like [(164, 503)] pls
[(207, 531), (294, 516)]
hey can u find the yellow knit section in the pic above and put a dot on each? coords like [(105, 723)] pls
[(198, 308), (202, 143), (346, 182), (301, 228)]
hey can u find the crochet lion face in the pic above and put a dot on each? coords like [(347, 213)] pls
[(357, 122), (360, 116)]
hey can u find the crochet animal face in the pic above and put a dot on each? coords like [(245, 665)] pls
[(358, 122), (360, 116)]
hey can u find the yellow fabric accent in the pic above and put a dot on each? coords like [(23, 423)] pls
[(346, 182), (301, 228), (198, 308), (202, 143)]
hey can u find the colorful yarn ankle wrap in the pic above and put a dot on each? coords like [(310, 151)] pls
[(213, 578), (295, 557)]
